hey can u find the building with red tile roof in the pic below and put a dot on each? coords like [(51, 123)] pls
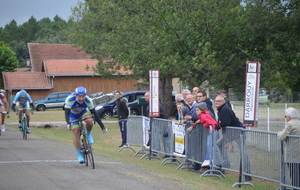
[(39, 52), (62, 67)]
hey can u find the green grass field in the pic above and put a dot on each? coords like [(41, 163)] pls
[(107, 144)]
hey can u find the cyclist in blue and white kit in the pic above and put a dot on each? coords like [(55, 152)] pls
[(79, 105), (23, 101)]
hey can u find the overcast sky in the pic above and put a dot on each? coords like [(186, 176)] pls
[(22, 10)]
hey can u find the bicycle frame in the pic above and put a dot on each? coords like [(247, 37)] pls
[(24, 124), (86, 147)]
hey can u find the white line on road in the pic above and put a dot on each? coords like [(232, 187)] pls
[(52, 161)]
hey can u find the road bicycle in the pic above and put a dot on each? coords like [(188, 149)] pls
[(86, 147), (24, 124)]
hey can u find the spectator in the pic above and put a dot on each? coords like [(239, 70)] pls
[(223, 93), (207, 120), (292, 127), (123, 113), (201, 97), (226, 117), (191, 116), (195, 91), (182, 111), (185, 92), (162, 114), (179, 98), (147, 99)]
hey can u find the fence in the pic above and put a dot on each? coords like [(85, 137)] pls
[(251, 153)]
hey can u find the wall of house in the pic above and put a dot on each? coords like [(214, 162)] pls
[(92, 84)]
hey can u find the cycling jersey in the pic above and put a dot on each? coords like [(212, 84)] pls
[(74, 110), (23, 102), (2, 97), (77, 108)]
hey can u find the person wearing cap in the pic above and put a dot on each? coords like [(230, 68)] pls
[(22, 101), (79, 105), (4, 109), (223, 93)]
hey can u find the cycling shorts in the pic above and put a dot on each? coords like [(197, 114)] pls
[(74, 117), (23, 106)]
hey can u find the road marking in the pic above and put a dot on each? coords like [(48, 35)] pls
[(50, 161)]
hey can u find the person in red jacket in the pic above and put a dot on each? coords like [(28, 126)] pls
[(207, 120), (204, 117)]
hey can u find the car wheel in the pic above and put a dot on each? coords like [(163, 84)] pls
[(106, 115), (40, 108), (134, 112)]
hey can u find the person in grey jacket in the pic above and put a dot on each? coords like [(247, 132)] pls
[(123, 113), (291, 145)]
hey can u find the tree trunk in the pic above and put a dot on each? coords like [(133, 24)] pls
[(166, 89)]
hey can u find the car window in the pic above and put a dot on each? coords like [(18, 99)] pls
[(53, 96), (112, 101), (64, 95), (127, 98)]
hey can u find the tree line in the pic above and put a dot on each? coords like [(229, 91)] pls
[(204, 43)]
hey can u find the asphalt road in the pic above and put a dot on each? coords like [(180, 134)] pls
[(41, 164)]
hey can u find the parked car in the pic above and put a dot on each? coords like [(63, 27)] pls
[(101, 98), (138, 107), (53, 100), (263, 97), (106, 110)]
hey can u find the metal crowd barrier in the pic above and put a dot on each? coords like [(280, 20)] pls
[(137, 133), (264, 154), (251, 153)]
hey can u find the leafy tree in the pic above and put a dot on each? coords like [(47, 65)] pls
[(8, 60), (180, 38)]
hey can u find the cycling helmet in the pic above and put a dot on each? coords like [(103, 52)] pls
[(22, 93), (80, 91)]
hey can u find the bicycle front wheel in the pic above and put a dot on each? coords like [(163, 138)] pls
[(90, 156), (24, 127), (84, 149)]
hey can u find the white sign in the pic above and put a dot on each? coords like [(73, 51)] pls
[(154, 93), (146, 128), (251, 94), (179, 134)]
